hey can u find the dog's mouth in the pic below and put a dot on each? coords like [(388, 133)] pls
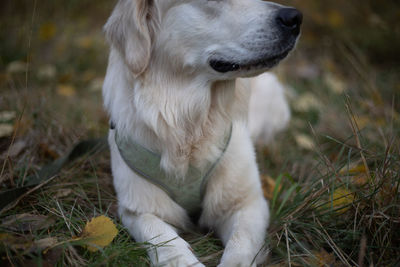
[(265, 62)]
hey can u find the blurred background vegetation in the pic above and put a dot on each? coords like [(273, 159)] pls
[(332, 178)]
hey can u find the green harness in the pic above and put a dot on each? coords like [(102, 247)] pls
[(187, 192)]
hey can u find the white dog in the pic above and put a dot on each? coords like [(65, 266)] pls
[(179, 140)]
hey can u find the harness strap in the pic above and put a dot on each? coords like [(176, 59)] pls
[(187, 192)]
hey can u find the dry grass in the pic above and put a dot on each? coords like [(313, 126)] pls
[(336, 169)]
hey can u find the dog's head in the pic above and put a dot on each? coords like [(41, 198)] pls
[(218, 39)]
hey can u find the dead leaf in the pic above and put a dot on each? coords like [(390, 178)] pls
[(99, 232), (66, 90), (47, 72), (63, 192), (322, 258), (47, 31), (48, 151), (6, 116), (358, 174), (85, 42), (16, 67), (335, 83), (341, 197), (6, 129), (306, 102), (268, 185), (304, 141), (353, 169), (360, 180), (96, 85), (335, 19), (26, 222), (44, 243)]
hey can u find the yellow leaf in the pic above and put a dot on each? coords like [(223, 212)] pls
[(342, 197), (335, 19), (47, 31), (360, 180), (85, 42), (358, 174), (99, 232), (323, 258), (66, 90), (268, 185), (353, 170)]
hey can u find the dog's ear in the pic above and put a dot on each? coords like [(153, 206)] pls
[(129, 30)]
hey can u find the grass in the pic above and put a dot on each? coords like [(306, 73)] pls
[(335, 171)]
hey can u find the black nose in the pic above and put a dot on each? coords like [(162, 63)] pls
[(290, 19)]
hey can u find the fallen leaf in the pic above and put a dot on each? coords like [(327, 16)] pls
[(16, 67), (47, 31), (26, 222), (44, 243), (47, 151), (6, 116), (85, 42), (360, 180), (306, 102), (96, 85), (268, 185), (353, 169), (335, 19), (304, 141), (6, 129), (342, 197), (357, 173), (47, 72), (63, 192), (322, 258), (335, 83), (66, 90), (99, 232)]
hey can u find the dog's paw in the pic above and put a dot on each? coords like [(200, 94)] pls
[(181, 261), (236, 264), (237, 261), (171, 258)]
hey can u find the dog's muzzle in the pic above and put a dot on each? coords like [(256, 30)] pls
[(288, 21)]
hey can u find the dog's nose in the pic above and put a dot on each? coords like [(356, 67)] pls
[(290, 19)]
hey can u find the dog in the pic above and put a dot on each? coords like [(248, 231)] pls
[(181, 149)]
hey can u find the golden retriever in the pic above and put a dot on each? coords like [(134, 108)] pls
[(176, 106)]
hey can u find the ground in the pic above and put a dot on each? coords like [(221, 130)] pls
[(332, 177)]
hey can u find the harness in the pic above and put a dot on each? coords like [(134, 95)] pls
[(187, 192)]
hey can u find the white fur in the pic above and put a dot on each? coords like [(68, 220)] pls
[(268, 109), (161, 91)]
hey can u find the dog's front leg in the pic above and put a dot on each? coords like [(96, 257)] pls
[(243, 234), (169, 249)]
